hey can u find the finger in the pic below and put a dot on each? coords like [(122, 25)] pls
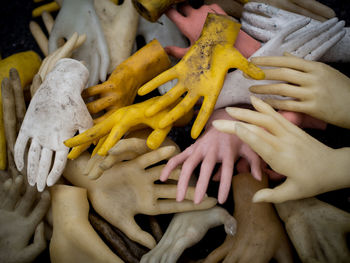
[(259, 21), (262, 9), (177, 52), (13, 194), (29, 253), (203, 115), (27, 200), (283, 62), (39, 37), (226, 178), (258, 33), (44, 167), (9, 114), (171, 206), (186, 172), (19, 96), (33, 161), (206, 171), (255, 165), (48, 21), (169, 192), (95, 90), (179, 20), (281, 89), (316, 7), (94, 64), (323, 48), (114, 136), (155, 156), (173, 163), (20, 147), (158, 81), (166, 100), (157, 137), (41, 208), (58, 167), (78, 150), (101, 104), (284, 192), (54, 39), (288, 105), (104, 58), (288, 75), (129, 144)]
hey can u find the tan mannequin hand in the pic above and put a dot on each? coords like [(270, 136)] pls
[(317, 229), (278, 140), (318, 89)]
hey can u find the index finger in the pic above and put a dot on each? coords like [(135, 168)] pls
[(285, 62)]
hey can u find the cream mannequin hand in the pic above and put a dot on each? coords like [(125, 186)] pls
[(306, 45), (318, 89), (278, 140), (20, 219), (128, 189), (119, 25), (74, 239), (317, 229), (260, 235), (185, 230), (212, 147), (191, 25), (80, 16), (263, 22), (54, 114)]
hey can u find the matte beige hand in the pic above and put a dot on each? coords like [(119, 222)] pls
[(74, 239), (128, 189), (311, 167), (318, 89), (21, 221), (318, 230), (260, 235)]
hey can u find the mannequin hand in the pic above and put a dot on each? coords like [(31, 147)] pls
[(318, 89), (119, 24), (308, 159), (80, 16), (54, 114), (305, 45), (213, 146), (201, 73), (191, 26), (118, 123), (260, 235), (121, 87), (309, 8), (133, 145), (185, 230), (73, 238), (20, 220), (317, 229), (129, 188)]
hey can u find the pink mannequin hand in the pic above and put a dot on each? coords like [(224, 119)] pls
[(212, 147), (191, 25)]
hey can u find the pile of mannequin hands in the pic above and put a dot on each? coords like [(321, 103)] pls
[(274, 54)]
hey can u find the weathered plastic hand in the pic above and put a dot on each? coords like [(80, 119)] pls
[(309, 8), (153, 9), (318, 230), (119, 24), (121, 87), (121, 121), (315, 88), (191, 26), (185, 230), (212, 147), (128, 189), (277, 140), (263, 22), (54, 114), (201, 73), (305, 45), (260, 235), (133, 145), (74, 239), (21, 221), (80, 16), (231, 7)]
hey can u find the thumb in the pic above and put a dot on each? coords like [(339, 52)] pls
[(284, 192), (177, 52)]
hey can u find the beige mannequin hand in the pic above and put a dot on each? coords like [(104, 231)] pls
[(20, 219), (317, 230), (74, 239), (260, 235), (310, 166), (320, 90), (185, 230), (128, 189)]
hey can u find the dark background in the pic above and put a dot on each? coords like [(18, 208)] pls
[(16, 37)]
